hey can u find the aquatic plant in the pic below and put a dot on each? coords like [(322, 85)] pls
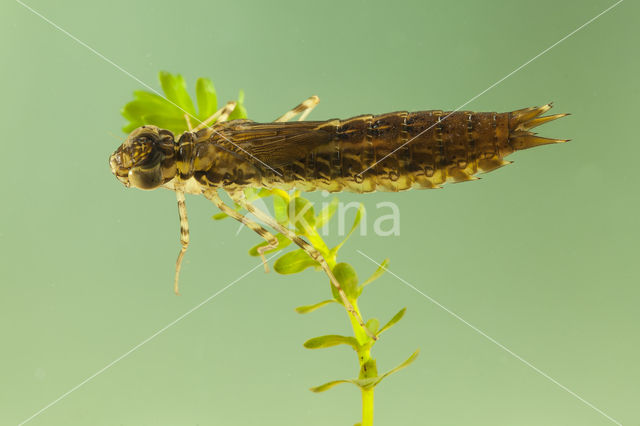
[(292, 211)]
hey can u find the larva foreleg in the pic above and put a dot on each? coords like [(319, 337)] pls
[(184, 237), (239, 198), (305, 108)]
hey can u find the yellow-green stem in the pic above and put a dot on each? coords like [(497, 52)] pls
[(367, 366), (367, 407)]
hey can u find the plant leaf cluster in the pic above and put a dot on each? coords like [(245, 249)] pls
[(169, 112)]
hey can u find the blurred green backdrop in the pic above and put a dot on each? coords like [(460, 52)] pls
[(540, 255)]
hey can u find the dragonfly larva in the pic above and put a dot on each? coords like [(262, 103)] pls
[(389, 152)]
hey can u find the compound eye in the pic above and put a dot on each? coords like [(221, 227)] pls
[(146, 177)]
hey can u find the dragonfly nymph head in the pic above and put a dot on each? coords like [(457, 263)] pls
[(146, 159)]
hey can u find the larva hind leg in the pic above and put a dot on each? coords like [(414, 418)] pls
[(303, 108), (272, 242), (219, 116), (239, 198)]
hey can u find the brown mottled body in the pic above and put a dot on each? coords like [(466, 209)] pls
[(388, 152)]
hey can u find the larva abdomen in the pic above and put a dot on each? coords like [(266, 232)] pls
[(425, 149)]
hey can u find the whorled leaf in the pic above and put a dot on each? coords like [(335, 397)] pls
[(280, 208), (397, 317), (175, 89), (206, 97), (327, 213), (331, 340), (301, 214), (219, 216), (328, 385), (373, 325), (239, 111), (356, 221), (404, 364), (378, 272), (149, 108), (169, 112), (293, 262), (369, 382), (310, 308), (348, 279)]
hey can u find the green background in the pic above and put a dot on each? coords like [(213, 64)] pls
[(541, 255)]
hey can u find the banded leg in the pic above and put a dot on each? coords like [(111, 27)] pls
[(305, 108), (239, 198), (184, 237), (272, 242), (221, 115)]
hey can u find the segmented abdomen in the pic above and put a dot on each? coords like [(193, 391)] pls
[(402, 150)]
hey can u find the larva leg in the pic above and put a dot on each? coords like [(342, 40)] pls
[(305, 108), (272, 242), (184, 236), (184, 227), (239, 198), (188, 120), (221, 115)]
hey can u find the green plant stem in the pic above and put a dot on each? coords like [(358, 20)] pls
[(368, 367), (367, 407)]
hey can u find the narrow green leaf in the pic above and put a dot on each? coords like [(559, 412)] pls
[(146, 103), (301, 214), (373, 325), (239, 111), (310, 308), (348, 279), (156, 104), (206, 97), (175, 89), (280, 208), (397, 317), (134, 110), (176, 125), (328, 385), (251, 193), (378, 272), (399, 367), (360, 213), (283, 242), (282, 194), (331, 340), (316, 241), (264, 192), (293, 262), (219, 216), (327, 213)]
